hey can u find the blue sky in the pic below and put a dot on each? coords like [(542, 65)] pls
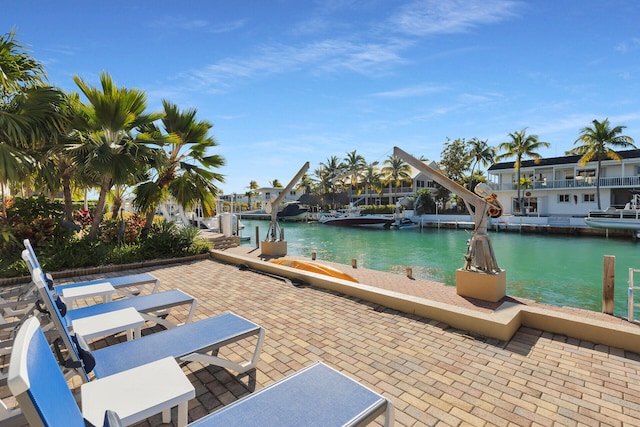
[(290, 81)]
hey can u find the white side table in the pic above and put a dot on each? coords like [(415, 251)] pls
[(104, 290), (110, 323), (139, 393)]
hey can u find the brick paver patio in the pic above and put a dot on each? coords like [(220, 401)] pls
[(433, 374)]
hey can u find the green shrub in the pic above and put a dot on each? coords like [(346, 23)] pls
[(166, 240)]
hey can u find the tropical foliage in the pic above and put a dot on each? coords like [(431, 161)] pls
[(103, 139), (31, 113), (185, 171), (521, 146), (396, 171), (598, 143)]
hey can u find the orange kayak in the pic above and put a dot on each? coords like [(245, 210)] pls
[(313, 267)]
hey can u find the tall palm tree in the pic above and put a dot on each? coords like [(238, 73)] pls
[(276, 183), (371, 180), (306, 184), (186, 173), (328, 174), (31, 113), (480, 153), (597, 142), (253, 186), (396, 171), (109, 150), (353, 164), (521, 145)]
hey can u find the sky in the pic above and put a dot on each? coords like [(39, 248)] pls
[(290, 81)]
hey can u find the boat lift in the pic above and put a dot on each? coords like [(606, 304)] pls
[(480, 277), (274, 244)]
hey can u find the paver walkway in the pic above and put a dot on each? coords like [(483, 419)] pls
[(434, 375)]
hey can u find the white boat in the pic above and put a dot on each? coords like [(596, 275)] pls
[(627, 218), (614, 219), (353, 218)]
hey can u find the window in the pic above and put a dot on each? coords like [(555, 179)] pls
[(420, 184), (267, 195), (587, 198), (563, 198)]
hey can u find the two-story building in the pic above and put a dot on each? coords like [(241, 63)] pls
[(389, 194), (559, 186)]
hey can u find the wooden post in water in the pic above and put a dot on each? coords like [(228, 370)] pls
[(410, 272), (608, 281), (354, 263), (257, 237), (313, 256)]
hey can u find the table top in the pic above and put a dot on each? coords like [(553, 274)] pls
[(88, 291), (107, 323), (137, 393)]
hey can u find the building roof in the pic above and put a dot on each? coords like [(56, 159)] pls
[(553, 161)]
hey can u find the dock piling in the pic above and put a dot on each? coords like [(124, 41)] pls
[(608, 281)]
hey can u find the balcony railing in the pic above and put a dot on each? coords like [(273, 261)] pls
[(627, 181)]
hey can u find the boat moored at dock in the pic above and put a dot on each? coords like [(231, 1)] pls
[(353, 218), (612, 218)]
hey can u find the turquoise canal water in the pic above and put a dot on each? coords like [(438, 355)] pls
[(556, 270)]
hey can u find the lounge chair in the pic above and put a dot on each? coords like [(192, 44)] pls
[(189, 342), (45, 399), (122, 284), (152, 307), (315, 396)]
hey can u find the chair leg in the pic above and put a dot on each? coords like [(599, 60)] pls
[(183, 412), (209, 359), (166, 416)]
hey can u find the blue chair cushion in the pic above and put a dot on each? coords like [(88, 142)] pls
[(82, 348), (62, 307)]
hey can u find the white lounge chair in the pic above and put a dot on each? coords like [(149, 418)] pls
[(315, 396), (122, 284), (152, 307), (45, 399), (189, 342)]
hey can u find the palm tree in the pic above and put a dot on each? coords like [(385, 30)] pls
[(521, 145), (480, 153), (329, 173), (276, 183), (353, 164), (372, 180), (185, 171), (306, 184), (396, 172), (31, 113), (108, 150), (253, 186), (596, 144)]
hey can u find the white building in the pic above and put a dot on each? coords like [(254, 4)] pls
[(559, 186)]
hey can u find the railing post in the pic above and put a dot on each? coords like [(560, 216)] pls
[(630, 296)]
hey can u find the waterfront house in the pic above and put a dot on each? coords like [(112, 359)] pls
[(560, 187), (389, 193)]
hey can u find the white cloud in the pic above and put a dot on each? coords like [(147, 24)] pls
[(410, 91), (627, 46), (426, 17)]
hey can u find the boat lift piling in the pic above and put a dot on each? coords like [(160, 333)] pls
[(480, 277), (271, 246)]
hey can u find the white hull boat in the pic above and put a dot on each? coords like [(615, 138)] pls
[(356, 219)]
